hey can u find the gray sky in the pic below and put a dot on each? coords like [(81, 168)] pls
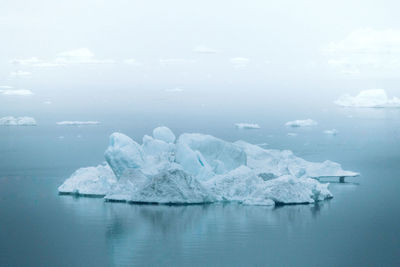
[(54, 47)]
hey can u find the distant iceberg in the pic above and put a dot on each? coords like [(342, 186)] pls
[(20, 92), (17, 121), (198, 168), (331, 132), (247, 125), (301, 123), (375, 98), (77, 122)]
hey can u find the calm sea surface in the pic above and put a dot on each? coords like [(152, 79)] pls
[(360, 226)]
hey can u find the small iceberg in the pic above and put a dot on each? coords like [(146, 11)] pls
[(77, 123), (18, 92), (331, 132), (301, 123), (375, 98), (247, 126), (17, 121), (198, 168)]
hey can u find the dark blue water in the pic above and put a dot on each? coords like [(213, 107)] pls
[(360, 226)]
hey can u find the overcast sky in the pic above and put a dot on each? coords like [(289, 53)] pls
[(176, 46)]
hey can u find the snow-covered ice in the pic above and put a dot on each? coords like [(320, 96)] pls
[(301, 123), (247, 125), (17, 121), (198, 168), (331, 132), (90, 181), (374, 98), (77, 123)]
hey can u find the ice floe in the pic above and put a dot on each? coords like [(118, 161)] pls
[(21, 92), (247, 125), (77, 123), (331, 132), (17, 121), (374, 98), (301, 123), (198, 168)]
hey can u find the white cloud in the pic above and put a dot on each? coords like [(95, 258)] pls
[(20, 73), (202, 49), (366, 50), (22, 92), (240, 62), (5, 87)]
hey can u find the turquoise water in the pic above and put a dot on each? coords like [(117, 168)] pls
[(359, 226)]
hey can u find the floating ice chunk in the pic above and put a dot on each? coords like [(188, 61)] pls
[(78, 123), (291, 134), (164, 133), (375, 98), (123, 154), (17, 121), (247, 125), (292, 190), (331, 132), (197, 153), (21, 92), (199, 169), (90, 181), (301, 123)]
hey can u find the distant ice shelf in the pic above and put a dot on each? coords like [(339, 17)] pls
[(199, 168), (301, 123), (17, 121), (247, 126), (374, 98), (77, 123)]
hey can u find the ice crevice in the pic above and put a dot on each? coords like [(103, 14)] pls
[(198, 168)]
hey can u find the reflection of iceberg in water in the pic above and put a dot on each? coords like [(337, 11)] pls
[(159, 234)]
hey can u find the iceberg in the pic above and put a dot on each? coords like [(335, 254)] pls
[(301, 123), (20, 92), (77, 122), (247, 125), (198, 168), (17, 121), (331, 132), (374, 98)]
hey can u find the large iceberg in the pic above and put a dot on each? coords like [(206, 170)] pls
[(198, 168), (375, 98), (17, 121)]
